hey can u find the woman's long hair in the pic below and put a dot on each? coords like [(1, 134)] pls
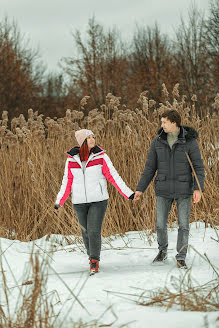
[(84, 151)]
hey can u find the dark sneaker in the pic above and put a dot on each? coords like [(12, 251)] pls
[(94, 267), (181, 264), (161, 256)]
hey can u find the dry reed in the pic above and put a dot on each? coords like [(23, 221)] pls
[(29, 304), (32, 157), (183, 295), (182, 292)]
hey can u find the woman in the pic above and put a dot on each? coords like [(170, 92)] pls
[(86, 171)]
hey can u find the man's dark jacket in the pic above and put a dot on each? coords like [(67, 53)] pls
[(174, 177)]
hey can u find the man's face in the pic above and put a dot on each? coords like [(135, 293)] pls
[(168, 126)]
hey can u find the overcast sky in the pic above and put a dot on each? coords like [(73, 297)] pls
[(48, 23)]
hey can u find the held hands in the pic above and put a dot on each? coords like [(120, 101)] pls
[(135, 196), (197, 196), (138, 195)]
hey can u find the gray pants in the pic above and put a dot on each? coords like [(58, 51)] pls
[(163, 209), (90, 216)]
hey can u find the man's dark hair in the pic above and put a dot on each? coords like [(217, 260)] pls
[(173, 116)]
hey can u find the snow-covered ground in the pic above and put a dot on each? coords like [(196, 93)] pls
[(125, 267)]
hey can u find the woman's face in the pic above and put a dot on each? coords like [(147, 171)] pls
[(90, 141)]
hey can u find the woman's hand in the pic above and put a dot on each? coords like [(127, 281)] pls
[(132, 196), (56, 207)]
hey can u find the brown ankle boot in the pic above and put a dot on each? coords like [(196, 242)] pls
[(94, 267)]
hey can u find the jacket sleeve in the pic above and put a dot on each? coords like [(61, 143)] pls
[(197, 162), (113, 177), (149, 169), (66, 185)]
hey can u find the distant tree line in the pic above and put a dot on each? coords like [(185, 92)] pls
[(105, 64)]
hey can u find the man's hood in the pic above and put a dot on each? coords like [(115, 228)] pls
[(186, 132)]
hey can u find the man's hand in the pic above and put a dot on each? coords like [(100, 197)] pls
[(137, 195), (197, 196)]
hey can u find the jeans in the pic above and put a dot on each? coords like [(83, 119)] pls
[(163, 209), (90, 217)]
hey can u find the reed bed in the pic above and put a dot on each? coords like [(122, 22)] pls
[(32, 156)]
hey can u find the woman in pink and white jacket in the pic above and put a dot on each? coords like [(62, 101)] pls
[(87, 170)]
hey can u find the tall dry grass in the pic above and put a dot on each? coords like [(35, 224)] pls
[(32, 158), (183, 294), (30, 304)]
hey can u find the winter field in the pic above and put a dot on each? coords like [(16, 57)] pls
[(43, 265), (51, 276)]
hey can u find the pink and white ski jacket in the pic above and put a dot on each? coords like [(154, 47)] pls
[(89, 185)]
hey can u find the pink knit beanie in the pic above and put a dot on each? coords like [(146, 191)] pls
[(81, 135)]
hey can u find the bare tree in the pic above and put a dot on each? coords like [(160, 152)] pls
[(212, 27), (20, 76), (152, 60), (52, 100), (212, 39), (191, 56), (100, 66)]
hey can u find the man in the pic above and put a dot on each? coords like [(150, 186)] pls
[(174, 180)]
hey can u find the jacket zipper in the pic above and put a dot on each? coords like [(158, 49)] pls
[(85, 179), (101, 189), (85, 185)]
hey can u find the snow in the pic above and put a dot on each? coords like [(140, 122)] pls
[(125, 268)]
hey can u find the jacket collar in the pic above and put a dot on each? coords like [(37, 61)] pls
[(186, 133), (163, 135), (75, 150)]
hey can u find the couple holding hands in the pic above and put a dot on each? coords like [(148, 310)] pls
[(88, 168)]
